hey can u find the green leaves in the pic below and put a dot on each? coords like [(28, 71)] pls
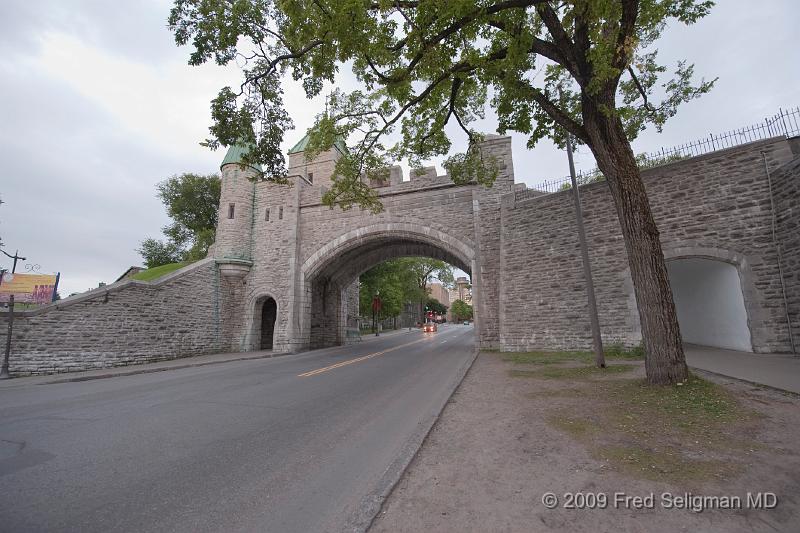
[(401, 281), (428, 63), (192, 202), (461, 310)]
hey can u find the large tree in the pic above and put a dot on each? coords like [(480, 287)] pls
[(400, 281), (587, 68), (192, 202), (461, 310), (395, 283)]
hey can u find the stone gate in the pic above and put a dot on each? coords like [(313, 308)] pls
[(280, 242)]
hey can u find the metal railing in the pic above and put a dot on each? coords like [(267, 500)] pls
[(785, 123)]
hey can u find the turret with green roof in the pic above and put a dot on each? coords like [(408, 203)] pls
[(235, 156), (232, 246), (319, 170)]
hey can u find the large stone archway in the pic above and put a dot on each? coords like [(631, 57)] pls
[(330, 273)]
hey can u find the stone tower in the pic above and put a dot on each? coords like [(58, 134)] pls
[(318, 171), (233, 247)]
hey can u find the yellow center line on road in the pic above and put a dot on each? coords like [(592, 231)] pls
[(357, 359)]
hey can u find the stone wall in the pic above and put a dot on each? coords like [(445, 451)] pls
[(786, 190), (520, 247), (274, 249), (715, 206), (486, 275), (129, 322)]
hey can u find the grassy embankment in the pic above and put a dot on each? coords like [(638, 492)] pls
[(156, 272)]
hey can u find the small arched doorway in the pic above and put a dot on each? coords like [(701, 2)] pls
[(269, 312), (709, 302)]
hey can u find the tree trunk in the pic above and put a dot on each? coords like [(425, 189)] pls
[(664, 360)]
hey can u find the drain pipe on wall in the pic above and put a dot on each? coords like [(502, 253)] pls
[(780, 256)]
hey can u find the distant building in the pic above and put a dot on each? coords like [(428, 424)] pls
[(463, 291), (441, 293)]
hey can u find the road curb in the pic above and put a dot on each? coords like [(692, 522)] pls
[(132, 370), (153, 370), (372, 504), (742, 380)]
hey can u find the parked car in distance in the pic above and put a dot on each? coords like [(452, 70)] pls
[(466, 322), (429, 327)]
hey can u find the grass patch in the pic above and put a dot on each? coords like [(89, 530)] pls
[(570, 372), (157, 272), (613, 352), (576, 427), (696, 431), (692, 431), (618, 351), (667, 464), (546, 358)]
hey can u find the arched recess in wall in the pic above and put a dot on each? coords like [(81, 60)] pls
[(335, 266), (709, 302), (261, 323), (269, 313), (713, 294)]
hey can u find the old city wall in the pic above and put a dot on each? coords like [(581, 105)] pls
[(786, 187), (714, 206), (129, 322), (520, 248)]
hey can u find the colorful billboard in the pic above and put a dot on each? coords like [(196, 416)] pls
[(28, 288)]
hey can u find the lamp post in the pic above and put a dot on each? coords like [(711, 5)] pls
[(597, 340)]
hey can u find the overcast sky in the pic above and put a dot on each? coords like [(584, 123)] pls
[(97, 105)]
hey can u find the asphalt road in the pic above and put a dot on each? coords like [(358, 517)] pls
[(298, 443)]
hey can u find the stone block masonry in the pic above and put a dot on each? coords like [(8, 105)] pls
[(715, 206), (786, 193), (129, 322), (519, 246)]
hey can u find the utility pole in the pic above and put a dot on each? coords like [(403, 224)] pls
[(597, 341), (4, 374), (4, 369), (15, 257)]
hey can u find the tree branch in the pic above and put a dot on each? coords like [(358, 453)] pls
[(561, 41), (627, 28), (641, 90), (554, 111)]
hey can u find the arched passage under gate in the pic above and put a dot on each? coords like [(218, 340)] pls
[(336, 266)]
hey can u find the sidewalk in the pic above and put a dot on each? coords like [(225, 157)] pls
[(171, 364), (778, 371)]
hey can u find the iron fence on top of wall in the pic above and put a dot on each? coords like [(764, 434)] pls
[(784, 123)]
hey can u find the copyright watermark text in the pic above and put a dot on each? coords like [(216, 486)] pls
[(666, 500)]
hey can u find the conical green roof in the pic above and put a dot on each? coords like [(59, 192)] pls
[(301, 146), (234, 156)]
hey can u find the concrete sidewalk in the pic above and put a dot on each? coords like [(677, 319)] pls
[(779, 371), (171, 364)]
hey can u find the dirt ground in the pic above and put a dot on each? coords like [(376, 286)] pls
[(498, 448)]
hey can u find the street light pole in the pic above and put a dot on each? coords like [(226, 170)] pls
[(597, 340)]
